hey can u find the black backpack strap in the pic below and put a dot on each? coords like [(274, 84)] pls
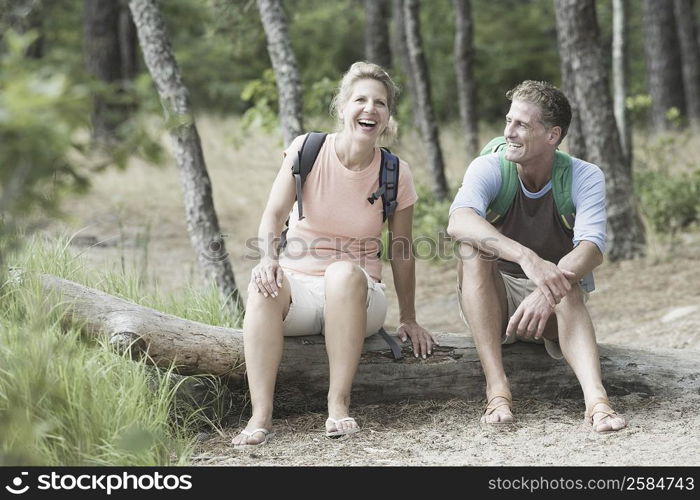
[(388, 183), (393, 345), (304, 162), (389, 177)]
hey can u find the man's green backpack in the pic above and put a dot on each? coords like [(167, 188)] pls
[(561, 185)]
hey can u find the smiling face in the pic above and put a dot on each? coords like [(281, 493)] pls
[(529, 140), (365, 115)]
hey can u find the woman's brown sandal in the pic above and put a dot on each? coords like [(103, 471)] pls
[(588, 416), (491, 407)]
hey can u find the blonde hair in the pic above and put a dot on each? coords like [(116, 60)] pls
[(555, 109), (362, 70)]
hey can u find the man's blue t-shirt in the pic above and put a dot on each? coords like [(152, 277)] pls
[(482, 180)]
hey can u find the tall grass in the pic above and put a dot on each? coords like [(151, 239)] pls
[(64, 401)]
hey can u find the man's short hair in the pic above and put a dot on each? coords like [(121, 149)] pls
[(555, 107)]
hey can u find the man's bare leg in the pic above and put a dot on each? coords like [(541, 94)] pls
[(485, 309), (578, 344)]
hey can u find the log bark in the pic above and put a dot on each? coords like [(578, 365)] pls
[(421, 83), (464, 67), (454, 370), (279, 46), (578, 35), (202, 221)]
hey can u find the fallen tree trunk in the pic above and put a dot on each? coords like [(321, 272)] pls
[(453, 371)]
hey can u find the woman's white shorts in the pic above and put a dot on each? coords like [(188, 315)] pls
[(306, 312)]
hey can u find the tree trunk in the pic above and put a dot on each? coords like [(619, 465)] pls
[(579, 37), (128, 43), (202, 222), (400, 49), (453, 371), (464, 66), (426, 116), (619, 72), (102, 61), (285, 66), (109, 44), (24, 16), (663, 57), (377, 33), (575, 141), (690, 56)]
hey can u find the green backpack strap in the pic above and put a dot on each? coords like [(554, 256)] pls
[(509, 180), (562, 175), (506, 194), (494, 146), (562, 180)]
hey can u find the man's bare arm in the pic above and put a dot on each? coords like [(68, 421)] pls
[(467, 226), (581, 260)]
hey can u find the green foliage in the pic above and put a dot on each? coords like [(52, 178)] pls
[(673, 115), (220, 47), (638, 106), (317, 101), (262, 95), (667, 181), (514, 41), (670, 203), (40, 111), (326, 37), (44, 119), (430, 218), (67, 402)]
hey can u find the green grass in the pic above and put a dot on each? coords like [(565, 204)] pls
[(68, 401)]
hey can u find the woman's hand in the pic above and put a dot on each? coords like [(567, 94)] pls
[(266, 277), (421, 338)]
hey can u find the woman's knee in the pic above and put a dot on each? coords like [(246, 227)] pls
[(258, 302), (344, 278)]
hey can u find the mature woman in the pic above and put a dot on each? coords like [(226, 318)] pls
[(327, 280)]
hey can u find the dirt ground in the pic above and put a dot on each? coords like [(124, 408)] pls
[(137, 218)]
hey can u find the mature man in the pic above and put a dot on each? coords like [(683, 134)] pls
[(523, 274)]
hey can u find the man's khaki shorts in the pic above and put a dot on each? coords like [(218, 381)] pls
[(307, 310), (516, 291)]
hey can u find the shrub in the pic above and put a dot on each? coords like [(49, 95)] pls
[(670, 202), (430, 218)]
